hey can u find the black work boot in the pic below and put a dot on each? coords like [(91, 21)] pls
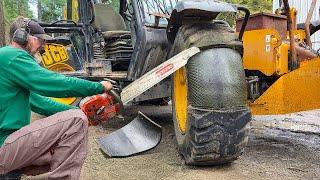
[(13, 175)]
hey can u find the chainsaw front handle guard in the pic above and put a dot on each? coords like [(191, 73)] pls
[(116, 97)]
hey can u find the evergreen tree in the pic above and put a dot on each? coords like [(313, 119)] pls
[(51, 10), (12, 9), (2, 25)]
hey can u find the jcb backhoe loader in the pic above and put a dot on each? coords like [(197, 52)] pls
[(209, 94)]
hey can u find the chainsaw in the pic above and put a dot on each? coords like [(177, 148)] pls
[(101, 107), (105, 106), (141, 134)]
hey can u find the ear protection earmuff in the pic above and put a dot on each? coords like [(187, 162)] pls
[(20, 36)]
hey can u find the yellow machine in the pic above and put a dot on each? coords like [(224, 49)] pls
[(56, 58), (70, 11), (121, 43), (275, 86)]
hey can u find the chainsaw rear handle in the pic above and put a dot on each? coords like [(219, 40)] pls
[(116, 97)]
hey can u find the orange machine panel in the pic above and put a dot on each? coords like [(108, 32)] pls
[(261, 50)]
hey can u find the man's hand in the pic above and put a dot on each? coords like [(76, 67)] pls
[(107, 85)]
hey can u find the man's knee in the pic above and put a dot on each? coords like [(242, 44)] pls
[(80, 117), (76, 114), (77, 118)]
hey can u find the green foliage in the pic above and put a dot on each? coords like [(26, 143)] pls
[(254, 5), (12, 9), (49, 10), (114, 3)]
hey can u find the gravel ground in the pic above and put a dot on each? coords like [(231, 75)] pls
[(275, 151)]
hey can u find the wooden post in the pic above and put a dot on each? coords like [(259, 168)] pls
[(294, 61), (308, 21)]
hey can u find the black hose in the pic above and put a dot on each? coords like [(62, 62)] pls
[(91, 3), (245, 20)]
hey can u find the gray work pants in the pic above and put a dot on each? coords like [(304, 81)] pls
[(59, 141)]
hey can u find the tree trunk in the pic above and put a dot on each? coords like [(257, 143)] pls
[(39, 10), (2, 25), (19, 8), (53, 10)]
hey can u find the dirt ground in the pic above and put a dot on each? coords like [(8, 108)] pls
[(280, 147)]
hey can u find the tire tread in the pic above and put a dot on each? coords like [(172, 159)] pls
[(221, 141)]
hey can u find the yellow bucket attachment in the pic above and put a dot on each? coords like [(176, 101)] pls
[(296, 91)]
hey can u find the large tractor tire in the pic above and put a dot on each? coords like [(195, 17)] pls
[(209, 105)]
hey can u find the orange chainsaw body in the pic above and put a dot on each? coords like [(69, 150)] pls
[(100, 108)]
